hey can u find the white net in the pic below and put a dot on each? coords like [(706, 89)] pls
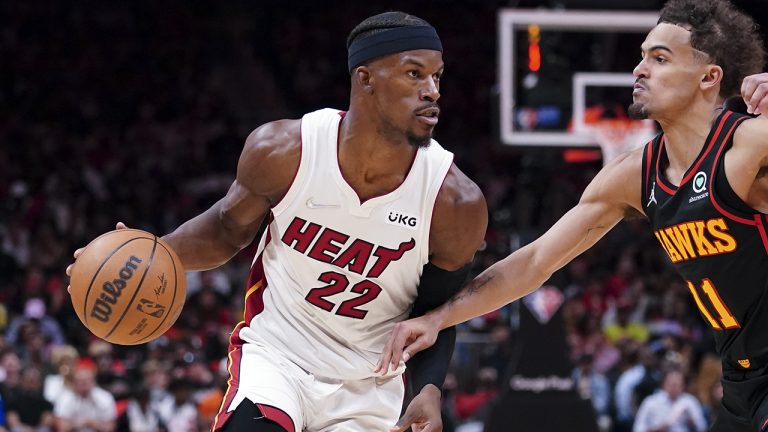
[(617, 136)]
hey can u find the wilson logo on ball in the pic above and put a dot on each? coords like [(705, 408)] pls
[(110, 291)]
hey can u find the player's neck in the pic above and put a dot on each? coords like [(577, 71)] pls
[(362, 138), (686, 134), (370, 161)]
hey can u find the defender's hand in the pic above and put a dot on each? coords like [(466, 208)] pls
[(408, 338), (79, 251), (423, 413), (754, 90)]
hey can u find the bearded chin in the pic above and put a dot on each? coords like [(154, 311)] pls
[(637, 111), (418, 141)]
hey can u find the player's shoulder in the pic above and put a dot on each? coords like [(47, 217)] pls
[(270, 158), (629, 164), (277, 134), (753, 131), (619, 182), (459, 193), (459, 220), (272, 143)]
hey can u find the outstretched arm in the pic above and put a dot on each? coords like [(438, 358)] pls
[(614, 192), (528, 268)]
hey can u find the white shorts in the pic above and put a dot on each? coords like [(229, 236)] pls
[(288, 394)]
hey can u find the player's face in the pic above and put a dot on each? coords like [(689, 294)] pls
[(406, 90), (669, 74)]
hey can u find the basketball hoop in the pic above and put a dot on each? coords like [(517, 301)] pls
[(620, 135)]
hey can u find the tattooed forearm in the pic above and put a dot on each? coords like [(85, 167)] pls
[(471, 288)]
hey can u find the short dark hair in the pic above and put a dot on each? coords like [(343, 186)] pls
[(727, 35), (381, 22)]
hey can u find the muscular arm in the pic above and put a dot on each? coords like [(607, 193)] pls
[(458, 222), (267, 164), (614, 192)]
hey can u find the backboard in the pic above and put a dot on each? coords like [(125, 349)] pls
[(560, 69)]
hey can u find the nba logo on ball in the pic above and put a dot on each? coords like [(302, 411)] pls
[(128, 287)]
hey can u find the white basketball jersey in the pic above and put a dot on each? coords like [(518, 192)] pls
[(333, 275)]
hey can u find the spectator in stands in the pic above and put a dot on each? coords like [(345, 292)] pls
[(34, 319), (63, 359), (110, 372), (10, 371), (179, 413), (593, 386), (155, 377), (670, 409), (26, 409), (139, 415), (706, 386), (86, 407), (624, 393), (467, 403), (209, 402), (623, 327)]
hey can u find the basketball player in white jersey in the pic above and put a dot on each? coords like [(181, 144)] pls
[(364, 211)]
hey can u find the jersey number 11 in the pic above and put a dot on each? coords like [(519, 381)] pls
[(725, 319)]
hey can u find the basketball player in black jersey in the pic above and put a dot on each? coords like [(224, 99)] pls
[(702, 185)]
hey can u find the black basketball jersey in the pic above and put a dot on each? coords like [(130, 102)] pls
[(716, 242)]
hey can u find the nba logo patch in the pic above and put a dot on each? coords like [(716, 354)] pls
[(544, 303)]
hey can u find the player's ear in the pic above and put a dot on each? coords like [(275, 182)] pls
[(713, 75), (363, 77)]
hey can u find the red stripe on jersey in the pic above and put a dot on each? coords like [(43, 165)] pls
[(278, 416), (714, 202), (691, 171), (659, 180), (709, 148), (648, 159), (257, 284), (233, 367), (761, 229)]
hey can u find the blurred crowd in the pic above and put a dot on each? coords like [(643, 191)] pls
[(136, 112)]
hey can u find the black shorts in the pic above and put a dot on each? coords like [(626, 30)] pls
[(745, 405)]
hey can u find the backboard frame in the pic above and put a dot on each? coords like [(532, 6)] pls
[(511, 20)]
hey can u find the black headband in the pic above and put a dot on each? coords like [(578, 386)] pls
[(390, 41)]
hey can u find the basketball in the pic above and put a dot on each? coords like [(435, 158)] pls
[(128, 286)]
